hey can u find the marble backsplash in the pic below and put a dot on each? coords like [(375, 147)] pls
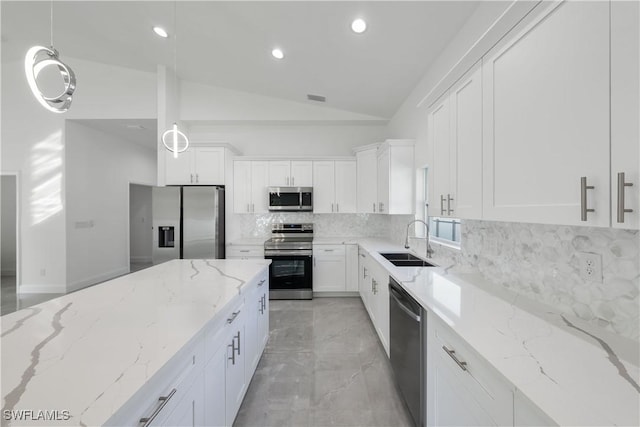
[(541, 262), (325, 225)]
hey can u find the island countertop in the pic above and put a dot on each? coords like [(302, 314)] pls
[(86, 353)]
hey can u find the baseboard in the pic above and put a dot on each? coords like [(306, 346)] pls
[(77, 285), (140, 259), (335, 294), (42, 289)]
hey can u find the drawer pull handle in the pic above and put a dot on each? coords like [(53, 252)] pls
[(238, 348), (621, 209), (328, 250), (245, 250), (233, 351), (583, 198), (261, 282), (233, 317), (452, 354), (146, 421)]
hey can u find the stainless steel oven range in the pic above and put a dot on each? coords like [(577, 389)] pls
[(291, 252)]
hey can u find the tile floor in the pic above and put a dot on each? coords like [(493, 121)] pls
[(323, 366)]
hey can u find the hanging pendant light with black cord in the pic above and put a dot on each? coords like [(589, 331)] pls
[(171, 137), (36, 60)]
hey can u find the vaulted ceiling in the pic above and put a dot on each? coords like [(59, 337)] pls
[(228, 43)]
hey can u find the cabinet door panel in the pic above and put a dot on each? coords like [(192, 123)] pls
[(241, 186), (259, 192), (190, 411), (235, 381), (625, 110), (178, 171), (329, 272), (324, 190), (209, 166), (383, 181), (466, 139), (345, 186), (214, 389), (302, 173), (440, 136), (279, 173), (367, 181), (546, 118)]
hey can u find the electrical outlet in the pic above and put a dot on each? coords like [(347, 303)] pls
[(590, 267)]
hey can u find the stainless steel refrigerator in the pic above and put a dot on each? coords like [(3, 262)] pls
[(188, 223)]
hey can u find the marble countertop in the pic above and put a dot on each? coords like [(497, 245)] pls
[(336, 240), (577, 376), (88, 352)]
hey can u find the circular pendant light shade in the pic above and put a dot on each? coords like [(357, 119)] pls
[(171, 140), (36, 60)]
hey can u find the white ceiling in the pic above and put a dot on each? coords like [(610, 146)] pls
[(139, 131), (228, 43)]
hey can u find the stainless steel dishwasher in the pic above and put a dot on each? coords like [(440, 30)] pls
[(406, 350)]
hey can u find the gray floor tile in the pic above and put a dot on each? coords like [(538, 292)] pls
[(323, 366)]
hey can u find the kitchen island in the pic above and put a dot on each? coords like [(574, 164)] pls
[(89, 357)]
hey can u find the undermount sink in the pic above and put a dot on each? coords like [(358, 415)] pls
[(405, 259)]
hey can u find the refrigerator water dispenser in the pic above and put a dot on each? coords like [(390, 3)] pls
[(165, 237)]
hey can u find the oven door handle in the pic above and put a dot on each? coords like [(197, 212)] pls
[(285, 253)]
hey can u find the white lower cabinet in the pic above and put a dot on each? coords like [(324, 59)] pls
[(206, 381), (462, 389), (329, 268), (351, 257), (373, 285)]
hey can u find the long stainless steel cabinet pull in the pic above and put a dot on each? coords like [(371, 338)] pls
[(337, 207), (293, 180), (442, 209), (452, 354), (583, 198), (191, 179), (197, 179), (248, 208), (233, 351), (261, 282), (374, 207), (146, 421), (621, 185), (449, 200), (233, 316), (245, 250), (238, 335)]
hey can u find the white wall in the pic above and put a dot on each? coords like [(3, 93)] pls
[(140, 223), (291, 140), (100, 168), (33, 143), (8, 226)]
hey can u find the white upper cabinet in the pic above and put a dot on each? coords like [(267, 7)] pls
[(625, 114), (335, 186), (439, 124), (546, 118), (290, 173), (250, 186), (466, 146), (367, 180), (196, 166), (395, 177)]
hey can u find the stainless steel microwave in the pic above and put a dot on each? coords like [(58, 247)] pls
[(290, 199)]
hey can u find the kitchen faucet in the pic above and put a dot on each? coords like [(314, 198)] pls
[(406, 240)]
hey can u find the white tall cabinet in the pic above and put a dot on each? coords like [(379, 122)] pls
[(367, 179), (625, 114), (455, 139), (546, 118), (395, 170)]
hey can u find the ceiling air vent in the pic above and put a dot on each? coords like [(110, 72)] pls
[(318, 98)]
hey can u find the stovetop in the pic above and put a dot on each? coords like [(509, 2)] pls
[(290, 237)]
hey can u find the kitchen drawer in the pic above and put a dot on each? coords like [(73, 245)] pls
[(492, 393), (245, 251), (218, 330), (163, 393), (329, 250)]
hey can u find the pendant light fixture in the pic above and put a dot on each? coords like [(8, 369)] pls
[(36, 60), (171, 137)]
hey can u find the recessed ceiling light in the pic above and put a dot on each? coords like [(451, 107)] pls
[(277, 53), (358, 25), (161, 32)]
